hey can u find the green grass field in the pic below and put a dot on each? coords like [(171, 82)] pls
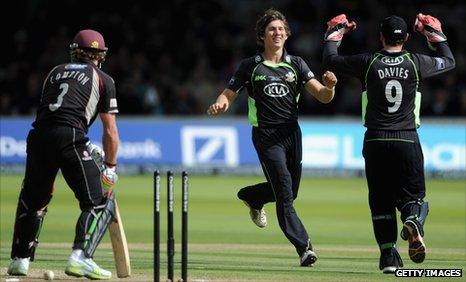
[(224, 245)]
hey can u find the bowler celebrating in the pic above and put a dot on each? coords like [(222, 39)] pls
[(274, 80)]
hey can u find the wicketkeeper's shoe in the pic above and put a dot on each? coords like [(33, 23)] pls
[(86, 267), (19, 267), (417, 248), (390, 260), (308, 258), (257, 216)]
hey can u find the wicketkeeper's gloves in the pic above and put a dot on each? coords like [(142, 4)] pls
[(430, 27), (337, 27)]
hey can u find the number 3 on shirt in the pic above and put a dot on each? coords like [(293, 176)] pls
[(394, 84), (64, 90)]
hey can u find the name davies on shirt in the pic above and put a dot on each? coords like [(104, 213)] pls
[(393, 72)]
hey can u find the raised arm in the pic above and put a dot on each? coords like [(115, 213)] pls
[(348, 65), (443, 59)]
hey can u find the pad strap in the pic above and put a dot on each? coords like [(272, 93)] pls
[(28, 225), (416, 210), (103, 215)]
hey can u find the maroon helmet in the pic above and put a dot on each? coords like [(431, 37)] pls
[(89, 39), (88, 44)]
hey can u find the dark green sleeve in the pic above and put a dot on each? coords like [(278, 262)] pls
[(347, 65), (241, 77), (442, 61), (304, 71)]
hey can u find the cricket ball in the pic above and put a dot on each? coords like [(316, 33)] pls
[(49, 275)]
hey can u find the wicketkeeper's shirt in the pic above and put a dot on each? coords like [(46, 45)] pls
[(273, 89), (73, 94), (391, 98)]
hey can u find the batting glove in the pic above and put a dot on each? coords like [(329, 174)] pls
[(109, 177), (337, 27), (97, 154), (430, 27)]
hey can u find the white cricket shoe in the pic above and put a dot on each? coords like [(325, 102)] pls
[(80, 266), (19, 267), (257, 216)]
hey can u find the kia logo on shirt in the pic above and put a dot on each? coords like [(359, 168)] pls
[(392, 61), (276, 89)]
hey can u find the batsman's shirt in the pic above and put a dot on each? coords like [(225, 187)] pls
[(73, 94), (273, 89), (391, 98)]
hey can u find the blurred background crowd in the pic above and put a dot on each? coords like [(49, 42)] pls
[(174, 57)]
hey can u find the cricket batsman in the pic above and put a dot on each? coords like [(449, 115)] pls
[(73, 94)]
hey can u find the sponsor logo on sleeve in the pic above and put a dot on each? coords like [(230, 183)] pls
[(440, 63), (113, 103), (232, 81)]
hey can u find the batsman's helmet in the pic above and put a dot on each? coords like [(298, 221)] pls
[(88, 44)]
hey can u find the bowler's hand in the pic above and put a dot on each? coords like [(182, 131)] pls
[(216, 109), (329, 79)]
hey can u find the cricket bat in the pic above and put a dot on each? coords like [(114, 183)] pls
[(119, 245), (115, 229)]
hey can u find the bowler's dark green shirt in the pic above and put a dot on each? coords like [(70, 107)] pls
[(273, 89)]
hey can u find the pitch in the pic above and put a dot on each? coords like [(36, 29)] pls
[(225, 245)]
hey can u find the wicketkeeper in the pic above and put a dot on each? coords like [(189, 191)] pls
[(391, 101)]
